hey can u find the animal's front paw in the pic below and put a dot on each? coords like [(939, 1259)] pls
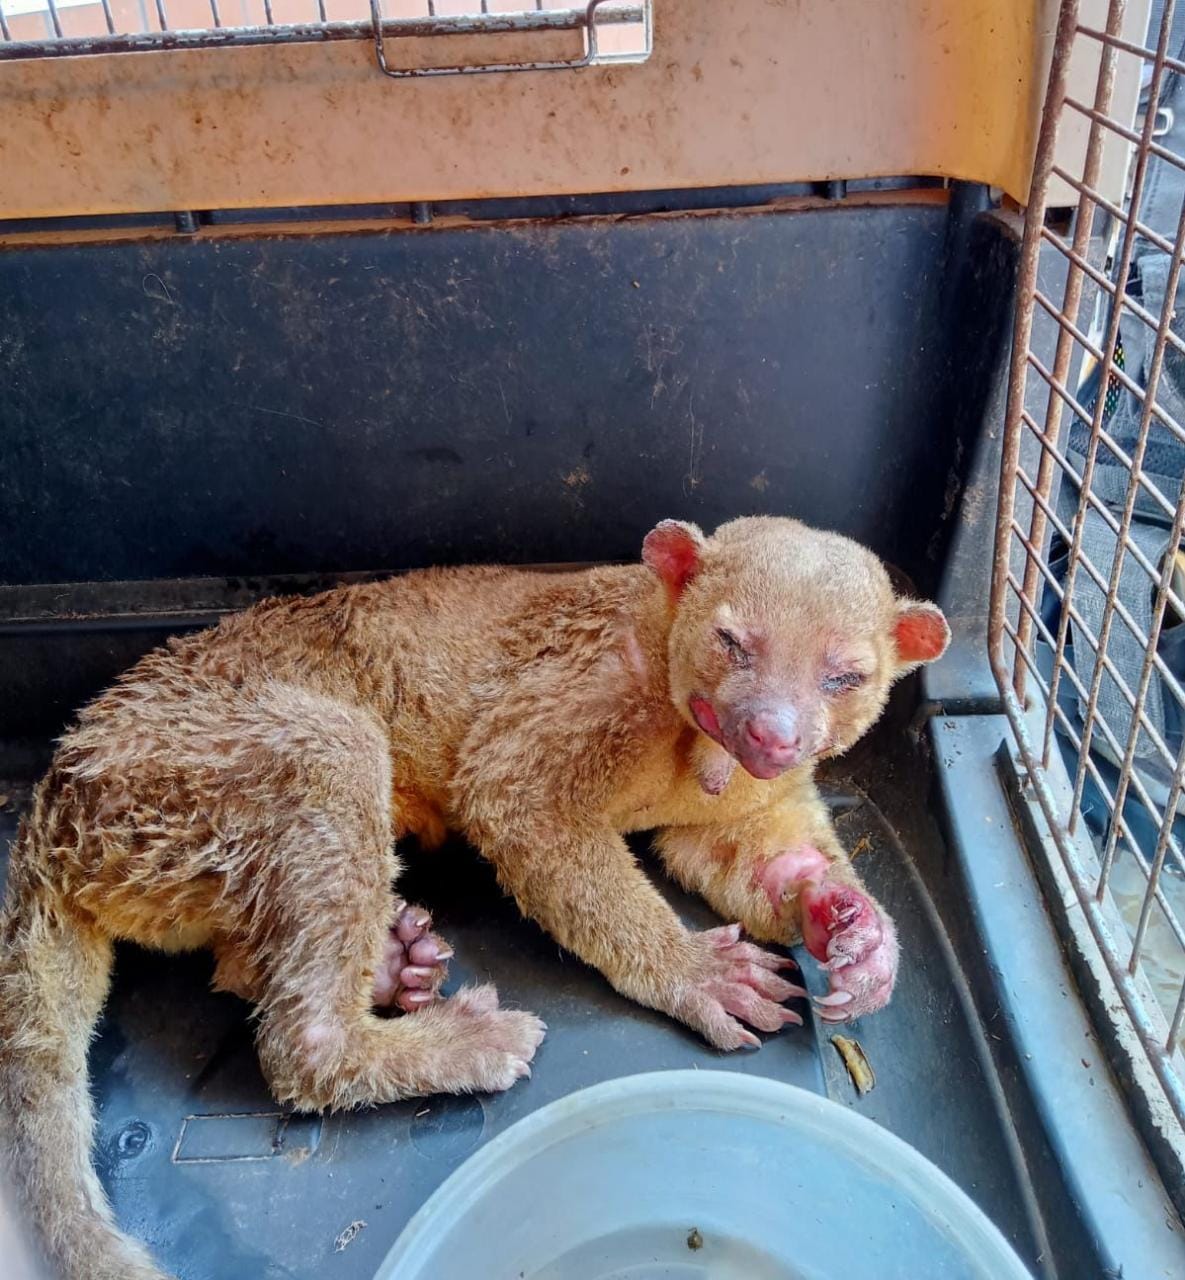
[(731, 980), (856, 943), (414, 963)]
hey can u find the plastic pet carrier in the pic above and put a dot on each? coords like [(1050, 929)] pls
[(302, 292)]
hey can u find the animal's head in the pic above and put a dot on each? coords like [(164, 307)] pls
[(785, 640)]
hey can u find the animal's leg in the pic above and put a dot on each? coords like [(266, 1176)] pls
[(410, 972), (587, 891), (323, 949), (785, 876)]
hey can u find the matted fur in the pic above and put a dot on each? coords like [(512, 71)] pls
[(243, 788)]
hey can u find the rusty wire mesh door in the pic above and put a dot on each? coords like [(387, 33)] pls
[(1087, 634), (611, 30)]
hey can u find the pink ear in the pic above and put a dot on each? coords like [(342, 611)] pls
[(673, 549), (921, 633)]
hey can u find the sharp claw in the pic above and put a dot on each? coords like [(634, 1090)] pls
[(835, 997), (749, 1040), (789, 1017), (832, 1015), (416, 976), (426, 951), (837, 962), (796, 992)]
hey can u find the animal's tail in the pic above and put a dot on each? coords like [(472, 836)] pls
[(54, 972)]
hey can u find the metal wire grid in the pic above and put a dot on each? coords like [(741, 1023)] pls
[(1033, 511), (48, 28)]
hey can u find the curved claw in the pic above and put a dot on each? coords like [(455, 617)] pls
[(835, 997)]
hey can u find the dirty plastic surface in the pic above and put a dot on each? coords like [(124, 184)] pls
[(694, 1174)]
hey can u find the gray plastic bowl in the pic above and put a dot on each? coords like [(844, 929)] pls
[(691, 1174)]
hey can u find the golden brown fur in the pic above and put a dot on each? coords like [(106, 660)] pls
[(242, 788)]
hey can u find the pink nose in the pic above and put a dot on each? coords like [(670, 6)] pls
[(776, 737)]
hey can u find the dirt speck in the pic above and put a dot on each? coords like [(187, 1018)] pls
[(695, 1241), (760, 481), (577, 478), (863, 845)]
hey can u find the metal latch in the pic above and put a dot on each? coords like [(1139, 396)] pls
[(587, 21)]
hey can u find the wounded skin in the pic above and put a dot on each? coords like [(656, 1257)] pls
[(853, 940)]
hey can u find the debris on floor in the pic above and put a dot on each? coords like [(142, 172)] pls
[(856, 1061), (347, 1236), (863, 845)]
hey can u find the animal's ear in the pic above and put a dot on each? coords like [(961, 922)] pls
[(920, 633), (674, 551)]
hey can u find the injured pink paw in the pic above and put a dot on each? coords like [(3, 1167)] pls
[(783, 876), (856, 943), (414, 963)]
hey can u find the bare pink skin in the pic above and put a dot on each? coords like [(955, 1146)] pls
[(414, 963), (739, 980), (855, 944)]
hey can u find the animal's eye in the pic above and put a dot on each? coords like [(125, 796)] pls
[(733, 646), (843, 682)]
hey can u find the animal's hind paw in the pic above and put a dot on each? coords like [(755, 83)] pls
[(414, 963)]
